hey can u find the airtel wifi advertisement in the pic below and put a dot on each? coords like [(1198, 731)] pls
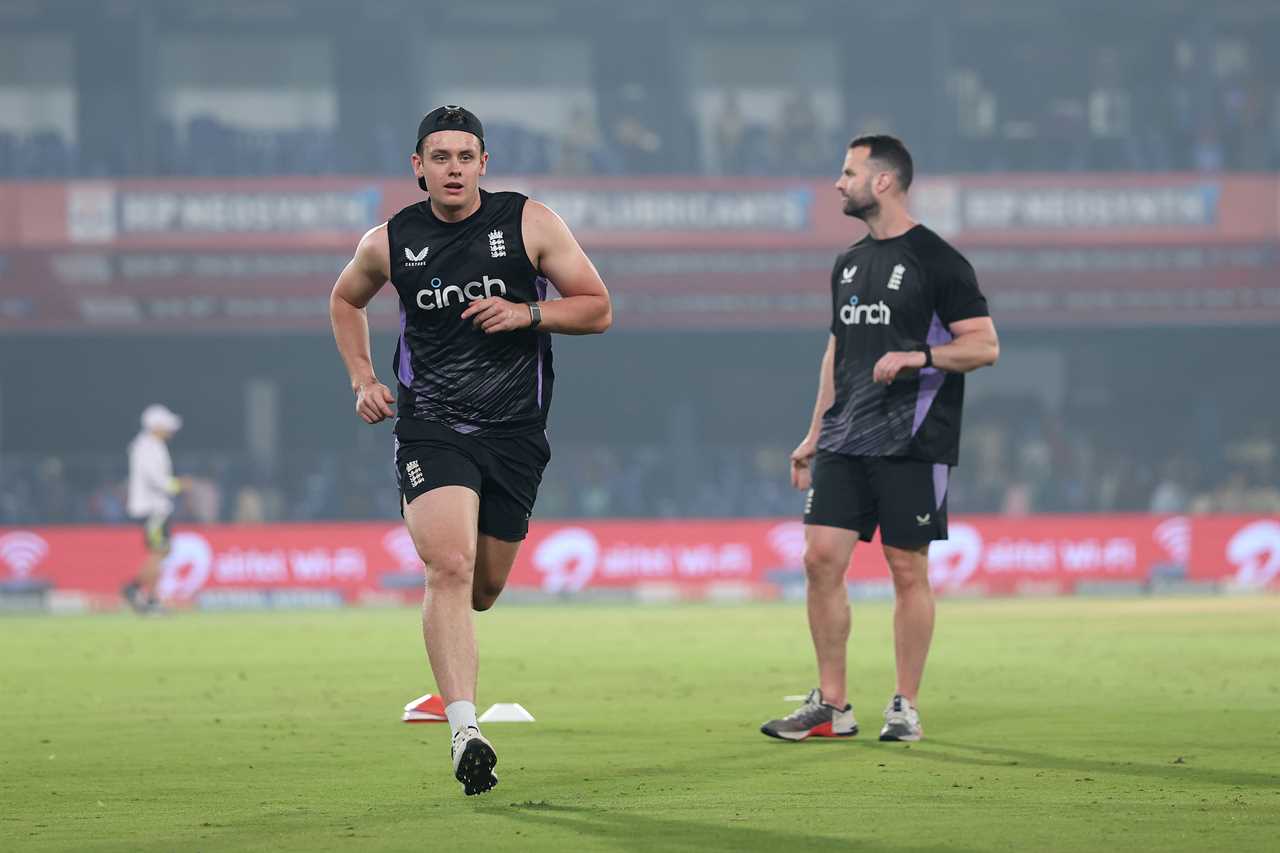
[(377, 562)]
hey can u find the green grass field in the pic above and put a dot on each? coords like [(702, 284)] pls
[(1052, 725)]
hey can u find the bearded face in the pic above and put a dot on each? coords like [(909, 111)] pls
[(860, 200)]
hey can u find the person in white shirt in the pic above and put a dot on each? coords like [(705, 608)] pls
[(152, 488)]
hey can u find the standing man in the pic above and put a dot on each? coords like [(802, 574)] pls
[(474, 380), (908, 321), (152, 488)]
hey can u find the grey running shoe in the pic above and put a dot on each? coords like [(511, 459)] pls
[(473, 761), (814, 718), (901, 721)]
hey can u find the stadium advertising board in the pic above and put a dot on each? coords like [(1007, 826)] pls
[(688, 253), (371, 561)]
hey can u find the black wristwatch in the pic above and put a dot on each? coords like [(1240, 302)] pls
[(535, 315), (928, 355)]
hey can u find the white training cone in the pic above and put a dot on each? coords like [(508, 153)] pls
[(506, 712)]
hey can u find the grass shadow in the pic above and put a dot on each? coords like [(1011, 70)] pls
[(630, 831), (997, 756)]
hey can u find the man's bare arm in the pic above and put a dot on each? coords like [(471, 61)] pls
[(585, 308), (357, 284), (802, 455), (975, 345)]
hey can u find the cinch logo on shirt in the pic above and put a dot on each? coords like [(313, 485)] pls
[(854, 314), (441, 295)]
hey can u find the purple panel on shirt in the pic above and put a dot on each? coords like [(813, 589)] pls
[(404, 370), (540, 284), (931, 378), (940, 475)]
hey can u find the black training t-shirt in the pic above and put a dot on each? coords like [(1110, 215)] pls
[(449, 371), (894, 295)]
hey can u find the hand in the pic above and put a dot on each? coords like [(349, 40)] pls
[(801, 461), (893, 363), (496, 314), (373, 402)]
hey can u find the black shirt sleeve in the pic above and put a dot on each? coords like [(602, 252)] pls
[(956, 293), (835, 294)]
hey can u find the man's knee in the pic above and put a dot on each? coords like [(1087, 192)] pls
[(824, 562), (908, 568), (483, 595), (448, 566)]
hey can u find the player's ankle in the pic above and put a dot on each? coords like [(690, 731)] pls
[(461, 714)]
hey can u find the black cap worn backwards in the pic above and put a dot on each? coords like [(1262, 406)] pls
[(451, 117)]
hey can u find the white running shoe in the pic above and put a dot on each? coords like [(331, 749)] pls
[(473, 761), (901, 721)]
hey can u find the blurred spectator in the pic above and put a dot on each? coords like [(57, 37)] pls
[(729, 136), (579, 148), (1173, 492), (800, 145), (250, 508), (635, 136)]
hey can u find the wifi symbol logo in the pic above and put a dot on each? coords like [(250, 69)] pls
[(400, 545), (22, 551), (1174, 536), (787, 541)]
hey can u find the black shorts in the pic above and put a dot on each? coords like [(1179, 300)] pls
[(156, 530), (505, 472), (906, 498)]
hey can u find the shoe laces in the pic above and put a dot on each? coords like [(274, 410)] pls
[(812, 705), (900, 709)]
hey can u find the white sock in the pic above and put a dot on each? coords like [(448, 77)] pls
[(461, 714)]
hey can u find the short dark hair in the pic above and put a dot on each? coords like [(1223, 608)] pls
[(450, 117), (888, 149)]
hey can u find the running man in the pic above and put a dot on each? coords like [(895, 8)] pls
[(474, 379), (908, 321), (152, 488)]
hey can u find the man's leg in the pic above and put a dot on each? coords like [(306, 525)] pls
[(913, 612), (494, 559), (442, 523), (141, 591), (150, 572), (827, 551)]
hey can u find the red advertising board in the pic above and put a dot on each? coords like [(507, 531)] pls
[(289, 214), (696, 253), (985, 555)]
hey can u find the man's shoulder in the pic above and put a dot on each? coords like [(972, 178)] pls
[(506, 196), (859, 245), (852, 250), (144, 443), (406, 212), (933, 250)]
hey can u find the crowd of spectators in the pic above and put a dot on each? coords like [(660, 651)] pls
[(1178, 109), (1009, 466)]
